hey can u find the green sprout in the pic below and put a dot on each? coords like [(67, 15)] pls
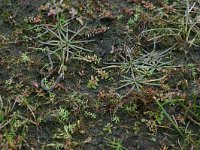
[(61, 45)]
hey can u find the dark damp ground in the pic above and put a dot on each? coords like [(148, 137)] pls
[(74, 116)]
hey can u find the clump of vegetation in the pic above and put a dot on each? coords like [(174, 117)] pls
[(61, 45), (180, 28), (138, 71)]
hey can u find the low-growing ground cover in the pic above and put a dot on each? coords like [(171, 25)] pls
[(107, 74)]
